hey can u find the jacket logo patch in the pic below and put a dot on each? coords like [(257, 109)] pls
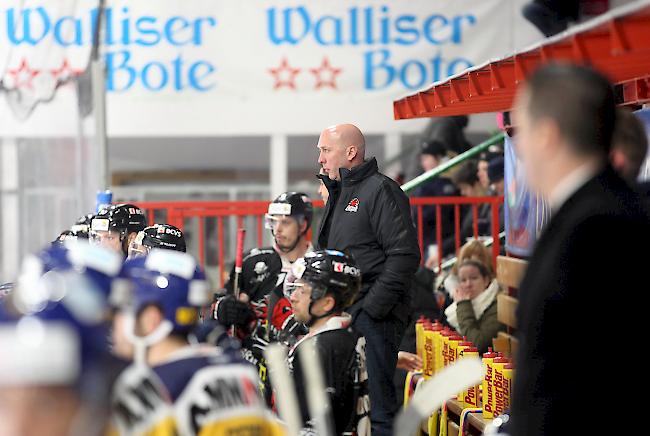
[(353, 205), (260, 268)]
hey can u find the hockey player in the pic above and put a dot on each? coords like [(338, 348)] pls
[(55, 369), (116, 226), (163, 236), (173, 387), (326, 284), (262, 299), (263, 313)]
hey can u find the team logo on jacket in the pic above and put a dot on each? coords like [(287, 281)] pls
[(260, 268), (353, 205)]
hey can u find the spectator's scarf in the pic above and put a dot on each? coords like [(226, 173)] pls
[(480, 304)]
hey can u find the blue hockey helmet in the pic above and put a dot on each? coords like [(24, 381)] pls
[(171, 280)]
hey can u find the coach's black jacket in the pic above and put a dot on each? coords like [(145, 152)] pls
[(368, 215), (573, 347)]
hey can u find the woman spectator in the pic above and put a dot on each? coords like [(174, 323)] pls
[(472, 250), (474, 311)]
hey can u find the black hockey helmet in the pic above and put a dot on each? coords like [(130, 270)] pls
[(163, 236), (294, 204), (83, 223), (74, 235), (330, 272), (123, 218)]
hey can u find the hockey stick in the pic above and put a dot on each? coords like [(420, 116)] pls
[(239, 260), (433, 393), (317, 400), (285, 390)]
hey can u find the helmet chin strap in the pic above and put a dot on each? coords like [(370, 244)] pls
[(313, 318), (142, 343)]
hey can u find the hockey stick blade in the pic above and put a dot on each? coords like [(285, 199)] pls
[(434, 392)]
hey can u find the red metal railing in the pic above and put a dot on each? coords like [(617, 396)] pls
[(204, 224)]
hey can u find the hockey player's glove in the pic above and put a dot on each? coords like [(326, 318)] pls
[(233, 312)]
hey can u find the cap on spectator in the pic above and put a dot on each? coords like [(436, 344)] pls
[(496, 169), (434, 148)]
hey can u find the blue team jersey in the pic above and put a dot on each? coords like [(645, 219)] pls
[(197, 391)]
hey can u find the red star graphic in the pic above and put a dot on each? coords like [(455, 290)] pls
[(23, 75), (325, 74), (65, 71), (284, 75)]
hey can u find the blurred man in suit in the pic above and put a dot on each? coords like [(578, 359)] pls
[(583, 286)]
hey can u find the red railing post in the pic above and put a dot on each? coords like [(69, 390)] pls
[(420, 234), (457, 226), (220, 249), (496, 241)]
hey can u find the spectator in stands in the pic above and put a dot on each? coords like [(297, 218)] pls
[(466, 180), (482, 171), (473, 313), (433, 154), (629, 146), (495, 174), (472, 250), (565, 116), (449, 131)]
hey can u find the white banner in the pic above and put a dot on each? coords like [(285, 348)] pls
[(208, 67)]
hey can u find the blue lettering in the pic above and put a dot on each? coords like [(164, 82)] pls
[(198, 33), (385, 29), (113, 69), (406, 30), (420, 70), (452, 68), (152, 34), (287, 36), (457, 34), (60, 31), (372, 68), (174, 26), (336, 31), (161, 74), (430, 30), (354, 36), (436, 67), (198, 72), (368, 19), (28, 26), (126, 35)]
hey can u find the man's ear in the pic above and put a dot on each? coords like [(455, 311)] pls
[(352, 152), (149, 319), (548, 136), (329, 303)]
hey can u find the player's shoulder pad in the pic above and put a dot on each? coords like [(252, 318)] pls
[(223, 394), (257, 252), (140, 403)]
